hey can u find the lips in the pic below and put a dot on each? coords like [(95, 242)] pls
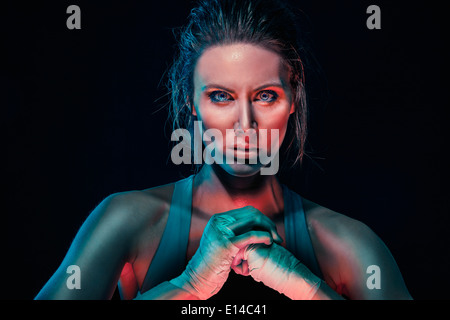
[(245, 147), (246, 152)]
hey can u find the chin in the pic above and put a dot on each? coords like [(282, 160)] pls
[(241, 170)]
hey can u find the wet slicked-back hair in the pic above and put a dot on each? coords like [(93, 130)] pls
[(267, 23)]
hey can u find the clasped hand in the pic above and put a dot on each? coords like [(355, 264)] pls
[(246, 241)]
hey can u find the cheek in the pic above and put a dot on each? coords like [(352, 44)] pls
[(214, 124), (272, 123), (216, 118)]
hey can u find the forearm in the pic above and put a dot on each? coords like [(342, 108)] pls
[(278, 269), (302, 284), (326, 293), (166, 291)]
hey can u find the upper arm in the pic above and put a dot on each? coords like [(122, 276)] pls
[(369, 270), (352, 257), (100, 249)]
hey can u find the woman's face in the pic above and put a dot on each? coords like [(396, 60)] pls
[(240, 90)]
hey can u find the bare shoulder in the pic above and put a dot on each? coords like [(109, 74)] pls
[(324, 222), (346, 249), (129, 214), (140, 207), (144, 214)]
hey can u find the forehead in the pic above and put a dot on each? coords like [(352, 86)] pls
[(239, 65)]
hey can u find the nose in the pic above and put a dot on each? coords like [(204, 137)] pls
[(245, 119)]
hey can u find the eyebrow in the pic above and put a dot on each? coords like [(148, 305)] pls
[(270, 84)]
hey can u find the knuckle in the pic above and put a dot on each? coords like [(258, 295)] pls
[(253, 234), (221, 219), (213, 219), (259, 235), (253, 210)]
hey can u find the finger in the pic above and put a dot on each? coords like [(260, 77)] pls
[(251, 237), (250, 218), (241, 269), (238, 258), (244, 265), (237, 269)]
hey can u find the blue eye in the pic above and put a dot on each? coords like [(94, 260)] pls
[(267, 96), (220, 96)]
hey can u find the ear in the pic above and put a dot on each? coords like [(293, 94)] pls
[(292, 108), (191, 106)]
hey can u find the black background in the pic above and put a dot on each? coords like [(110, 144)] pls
[(84, 116)]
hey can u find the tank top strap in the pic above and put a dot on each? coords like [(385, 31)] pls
[(169, 260), (298, 241)]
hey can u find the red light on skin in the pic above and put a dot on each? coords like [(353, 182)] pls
[(128, 283), (127, 270)]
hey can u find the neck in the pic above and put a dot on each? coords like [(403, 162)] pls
[(229, 192)]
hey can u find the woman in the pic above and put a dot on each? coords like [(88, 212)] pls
[(239, 73)]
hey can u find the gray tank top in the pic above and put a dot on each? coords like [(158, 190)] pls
[(169, 260)]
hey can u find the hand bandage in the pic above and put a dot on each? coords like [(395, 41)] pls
[(208, 269), (278, 269)]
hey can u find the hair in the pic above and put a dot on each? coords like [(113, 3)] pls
[(267, 23)]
